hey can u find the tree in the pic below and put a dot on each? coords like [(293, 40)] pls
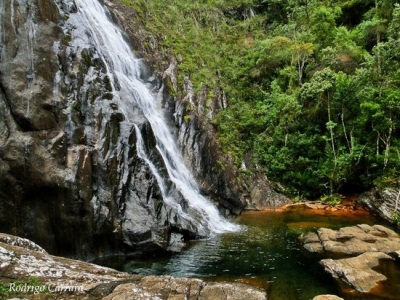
[(301, 54), (323, 26), (319, 90)]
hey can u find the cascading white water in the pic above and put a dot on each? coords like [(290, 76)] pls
[(124, 67)]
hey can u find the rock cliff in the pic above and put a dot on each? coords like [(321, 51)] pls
[(70, 176), (70, 180)]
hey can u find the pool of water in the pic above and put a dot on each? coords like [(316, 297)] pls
[(265, 253)]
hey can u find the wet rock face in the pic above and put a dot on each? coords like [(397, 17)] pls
[(32, 144), (385, 203), (70, 176), (28, 64)]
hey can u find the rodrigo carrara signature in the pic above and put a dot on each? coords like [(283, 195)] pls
[(51, 288)]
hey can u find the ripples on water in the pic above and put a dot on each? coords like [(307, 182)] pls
[(265, 253)]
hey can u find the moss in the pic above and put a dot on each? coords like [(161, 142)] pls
[(108, 96), (113, 127), (331, 199), (170, 88), (395, 218), (107, 83), (67, 39), (86, 57), (205, 38)]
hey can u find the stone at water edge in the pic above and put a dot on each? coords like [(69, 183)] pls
[(327, 297), (311, 242), (176, 242), (357, 271), (380, 201), (352, 240), (370, 243)]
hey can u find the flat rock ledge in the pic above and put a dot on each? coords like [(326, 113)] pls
[(25, 268), (357, 271), (362, 245), (353, 240)]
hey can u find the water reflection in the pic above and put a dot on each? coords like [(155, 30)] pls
[(265, 254)]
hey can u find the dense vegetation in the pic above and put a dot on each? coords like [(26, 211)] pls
[(313, 87)]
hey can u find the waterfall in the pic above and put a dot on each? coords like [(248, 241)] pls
[(123, 67)]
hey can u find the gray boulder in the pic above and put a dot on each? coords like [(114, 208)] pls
[(383, 202)]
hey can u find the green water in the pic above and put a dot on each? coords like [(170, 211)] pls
[(265, 253)]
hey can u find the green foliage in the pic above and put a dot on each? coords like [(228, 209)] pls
[(34, 281), (312, 86), (4, 291), (331, 199), (395, 218)]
